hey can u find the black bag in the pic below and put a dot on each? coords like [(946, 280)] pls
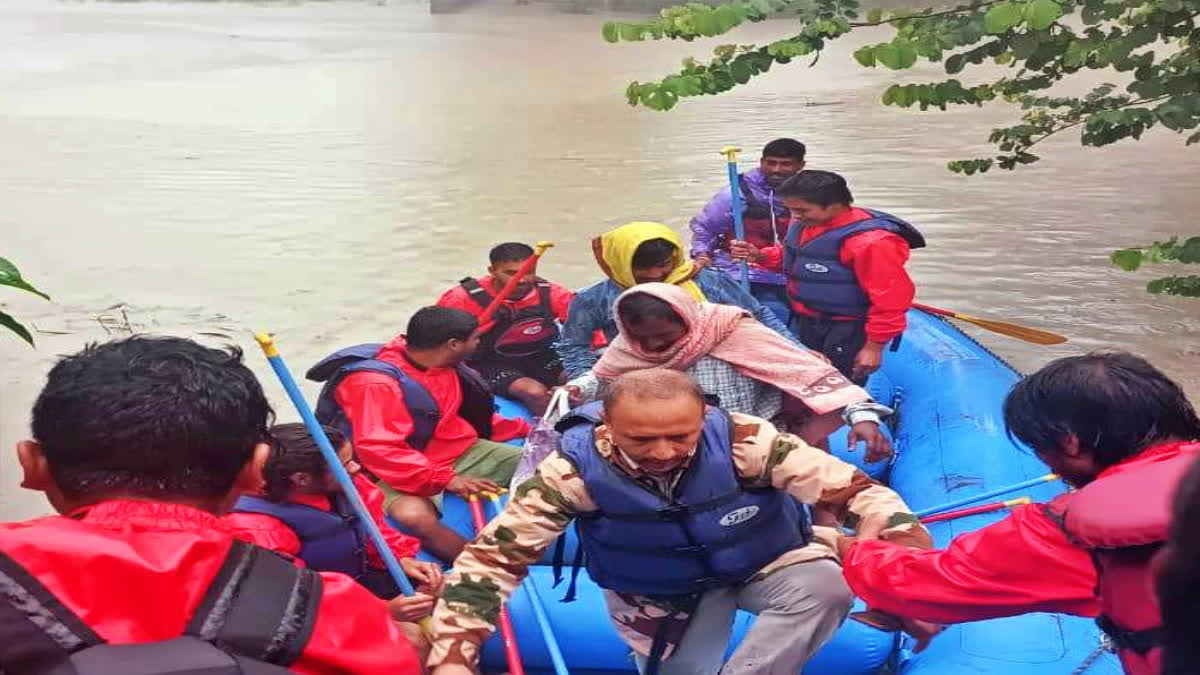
[(255, 619)]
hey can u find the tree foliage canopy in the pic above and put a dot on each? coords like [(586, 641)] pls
[(1151, 46)]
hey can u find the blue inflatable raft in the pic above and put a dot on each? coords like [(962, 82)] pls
[(950, 443)]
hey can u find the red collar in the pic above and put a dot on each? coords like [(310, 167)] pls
[(1155, 453), (847, 217), (147, 514)]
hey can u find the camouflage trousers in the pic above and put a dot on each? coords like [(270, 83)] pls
[(799, 608)]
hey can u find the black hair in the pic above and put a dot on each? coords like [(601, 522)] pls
[(294, 450), (1114, 403), (155, 417), (1179, 581), (785, 147), (512, 251), (636, 308), (654, 253), (819, 187), (434, 326)]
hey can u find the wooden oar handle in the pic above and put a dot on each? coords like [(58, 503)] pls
[(934, 310)]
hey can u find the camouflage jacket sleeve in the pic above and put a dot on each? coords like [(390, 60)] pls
[(764, 456), (495, 563)]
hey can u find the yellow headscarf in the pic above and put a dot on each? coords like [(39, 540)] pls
[(614, 253)]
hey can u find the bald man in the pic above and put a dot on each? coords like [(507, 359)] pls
[(686, 514)]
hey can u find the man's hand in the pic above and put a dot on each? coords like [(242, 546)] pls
[(922, 631), (427, 575), (744, 250), (464, 486), (878, 446), (574, 395), (411, 608), (701, 261), (868, 360)]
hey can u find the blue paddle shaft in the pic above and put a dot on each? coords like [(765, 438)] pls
[(539, 613), (985, 495), (739, 228), (339, 472)]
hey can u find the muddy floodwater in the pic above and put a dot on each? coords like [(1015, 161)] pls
[(321, 170)]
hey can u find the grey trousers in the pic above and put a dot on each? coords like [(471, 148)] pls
[(799, 608)]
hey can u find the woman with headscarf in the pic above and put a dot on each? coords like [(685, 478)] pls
[(746, 366), (639, 253)]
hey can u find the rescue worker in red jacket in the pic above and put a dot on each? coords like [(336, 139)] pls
[(516, 355), (1178, 577), (302, 513), (1123, 433), (458, 455), (846, 282), (142, 444)]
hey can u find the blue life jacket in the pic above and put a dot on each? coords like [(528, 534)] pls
[(330, 541), (477, 406), (819, 281), (711, 532)]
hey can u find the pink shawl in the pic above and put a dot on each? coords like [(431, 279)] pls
[(733, 335)]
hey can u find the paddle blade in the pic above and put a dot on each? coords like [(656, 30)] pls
[(1037, 337)]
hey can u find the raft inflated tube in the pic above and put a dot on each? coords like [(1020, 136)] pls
[(335, 465), (1048, 478)]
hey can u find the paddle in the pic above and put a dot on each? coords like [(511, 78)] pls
[(1050, 477), (484, 319), (335, 465), (507, 633), (1037, 337), (539, 611), (735, 205), (986, 508)]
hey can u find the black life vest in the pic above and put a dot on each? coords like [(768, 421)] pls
[(255, 619), (516, 334)]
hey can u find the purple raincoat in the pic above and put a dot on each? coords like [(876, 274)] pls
[(716, 219)]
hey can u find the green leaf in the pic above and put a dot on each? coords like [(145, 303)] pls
[(1002, 17), (726, 17), (955, 64), (1041, 14), (16, 327), (610, 32), (865, 56), (1128, 259), (897, 54), (630, 32), (10, 276)]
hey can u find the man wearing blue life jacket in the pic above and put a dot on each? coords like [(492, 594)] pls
[(421, 421), (846, 282), (685, 514)]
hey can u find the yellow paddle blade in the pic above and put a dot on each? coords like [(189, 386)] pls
[(1037, 337)]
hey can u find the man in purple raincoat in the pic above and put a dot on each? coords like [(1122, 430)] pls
[(765, 218)]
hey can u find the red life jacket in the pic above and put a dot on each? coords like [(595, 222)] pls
[(765, 225), (517, 334), (1122, 519)]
